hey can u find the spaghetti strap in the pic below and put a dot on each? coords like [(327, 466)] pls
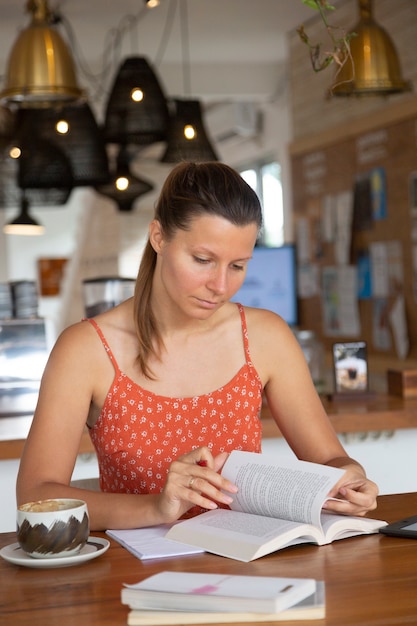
[(104, 342), (245, 333)]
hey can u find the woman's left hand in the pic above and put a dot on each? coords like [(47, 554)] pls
[(354, 494)]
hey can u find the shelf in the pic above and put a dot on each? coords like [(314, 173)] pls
[(380, 412)]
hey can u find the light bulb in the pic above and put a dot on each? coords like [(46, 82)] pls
[(122, 183), (27, 230), (62, 127), (15, 152), (137, 94), (189, 132)]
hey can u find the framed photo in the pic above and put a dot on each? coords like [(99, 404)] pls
[(350, 364), (50, 272)]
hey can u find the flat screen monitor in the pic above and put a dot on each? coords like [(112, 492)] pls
[(271, 282)]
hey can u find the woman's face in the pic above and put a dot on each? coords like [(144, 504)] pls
[(202, 268)]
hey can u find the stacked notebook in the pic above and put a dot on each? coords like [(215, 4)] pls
[(197, 598)]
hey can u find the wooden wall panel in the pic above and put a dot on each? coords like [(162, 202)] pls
[(332, 168)]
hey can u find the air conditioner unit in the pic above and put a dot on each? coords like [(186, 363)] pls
[(233, 120)]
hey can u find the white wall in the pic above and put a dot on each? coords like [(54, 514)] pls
[(271, 143), (389, 458)]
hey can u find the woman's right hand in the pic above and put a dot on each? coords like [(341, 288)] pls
[(194, 480)]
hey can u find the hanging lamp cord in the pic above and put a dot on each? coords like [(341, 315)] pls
[(185, 48)]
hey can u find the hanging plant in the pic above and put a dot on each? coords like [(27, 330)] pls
[(322, 56)]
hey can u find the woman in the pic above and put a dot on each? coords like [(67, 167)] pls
[(170, 381)]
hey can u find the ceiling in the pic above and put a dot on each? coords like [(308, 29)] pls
[(235, 47)]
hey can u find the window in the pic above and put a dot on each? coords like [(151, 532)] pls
[(265, 178)]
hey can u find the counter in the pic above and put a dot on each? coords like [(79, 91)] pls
[(13, 433), (376, 413)]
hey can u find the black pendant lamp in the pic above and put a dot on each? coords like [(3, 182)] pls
[(40, 67), (24, 223), (43, 166), (187, 137), (137, 110), (124, 188), (73, 130), (37, 168)]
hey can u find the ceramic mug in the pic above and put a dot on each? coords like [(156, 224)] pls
[(53, 528)]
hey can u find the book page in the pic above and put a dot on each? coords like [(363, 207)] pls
[(253, 528), (242, 536), (287, 489), (341, 526)]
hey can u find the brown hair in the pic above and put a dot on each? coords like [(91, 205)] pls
[(190, 190)]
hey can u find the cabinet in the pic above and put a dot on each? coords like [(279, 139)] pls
[(24, 349)]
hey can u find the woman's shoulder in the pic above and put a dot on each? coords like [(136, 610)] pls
[(264, 320), (116, 319), (78, 338), (266, 331)]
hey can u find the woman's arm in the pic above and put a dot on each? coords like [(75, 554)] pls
[(68, 389), (299, 412)]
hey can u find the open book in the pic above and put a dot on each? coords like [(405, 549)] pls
[(210, 593), (279, 503), (311, 608)]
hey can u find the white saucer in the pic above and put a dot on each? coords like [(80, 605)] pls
[(94, 547)]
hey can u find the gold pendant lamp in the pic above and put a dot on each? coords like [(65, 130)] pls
[(40, 67), (373, 68)]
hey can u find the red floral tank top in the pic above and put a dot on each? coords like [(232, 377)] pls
[(138, 433)]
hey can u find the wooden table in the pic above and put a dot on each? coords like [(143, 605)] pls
[(370, 580)]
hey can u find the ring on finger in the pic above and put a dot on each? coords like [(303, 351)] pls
[(190, 484)]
